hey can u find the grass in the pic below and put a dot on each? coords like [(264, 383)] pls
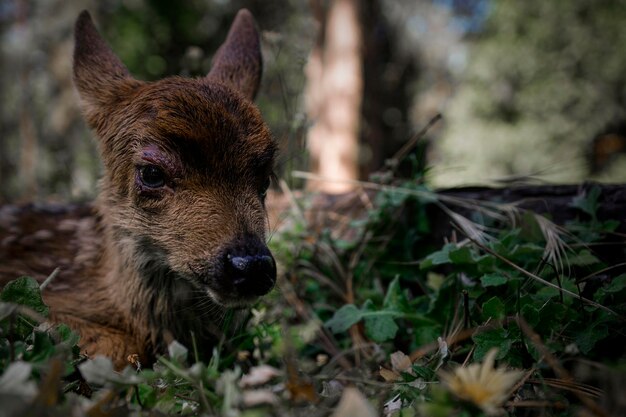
[(512, 315)]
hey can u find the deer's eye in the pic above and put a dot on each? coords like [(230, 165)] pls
[(152, 176)]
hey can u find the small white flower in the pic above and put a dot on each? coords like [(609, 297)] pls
[(482, 384)]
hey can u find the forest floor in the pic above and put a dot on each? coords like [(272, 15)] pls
[(510, 314)]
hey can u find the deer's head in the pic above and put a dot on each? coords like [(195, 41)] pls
[(187, 163)]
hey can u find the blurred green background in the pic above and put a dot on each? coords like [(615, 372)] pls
[(527, 88)]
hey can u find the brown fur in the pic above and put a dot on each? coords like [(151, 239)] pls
[(143, 263)]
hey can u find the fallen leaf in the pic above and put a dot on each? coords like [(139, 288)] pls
[(258, 375), (389, 375), (400, 362), (354, 404), (331, 389), (252, 398)]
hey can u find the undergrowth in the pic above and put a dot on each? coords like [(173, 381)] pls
[(377, 319)]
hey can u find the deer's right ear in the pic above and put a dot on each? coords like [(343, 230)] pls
[(238, 62), (98, 72)]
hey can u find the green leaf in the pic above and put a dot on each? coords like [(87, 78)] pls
[(583, 258), (67, 335), (396, 299), (425, 332), (492, 338), (437, 258), (588, 202), (423, 372), (587, 338), (380, 327), (25, 291), (450, 253), (493, 280), (552, 315), (344, 318), (617, 284), (530, 314), (461, 255), (148, 395), (494, 308), (42, 347)]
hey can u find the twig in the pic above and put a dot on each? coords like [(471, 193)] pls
[(410, 144), (50, 278), (608, 268)]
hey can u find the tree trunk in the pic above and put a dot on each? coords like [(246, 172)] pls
[(334, 94)]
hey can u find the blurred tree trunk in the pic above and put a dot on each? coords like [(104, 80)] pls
[(334, 93)]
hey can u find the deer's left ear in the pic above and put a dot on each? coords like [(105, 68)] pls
[(238, 62), (99, 75)]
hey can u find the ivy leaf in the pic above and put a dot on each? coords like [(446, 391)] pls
[(438, 258), (588, 337), (396, 299), (552, 314), (379, 324), (461, 255), (344, 318), (530, 314), (583, 258), (380, 327), (25, 291), (42, 348), (494, 308), (493, 280), (67, 335), (498, 338), (617, 284), (587, 202), (450, 253), (148, 395), (426, 331)]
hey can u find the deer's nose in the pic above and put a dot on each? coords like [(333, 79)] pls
[(251, 274)]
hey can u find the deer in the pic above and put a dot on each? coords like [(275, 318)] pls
[(176, 237)]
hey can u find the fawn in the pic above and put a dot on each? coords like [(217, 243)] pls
[(177, 234)]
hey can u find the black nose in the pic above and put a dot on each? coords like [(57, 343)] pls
[(251, 274)]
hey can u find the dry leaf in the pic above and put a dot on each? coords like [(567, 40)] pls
[(331, 389), (400, 362), (354, 404), (389, 375), (301, 391), (252, 398), (258, 375)]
